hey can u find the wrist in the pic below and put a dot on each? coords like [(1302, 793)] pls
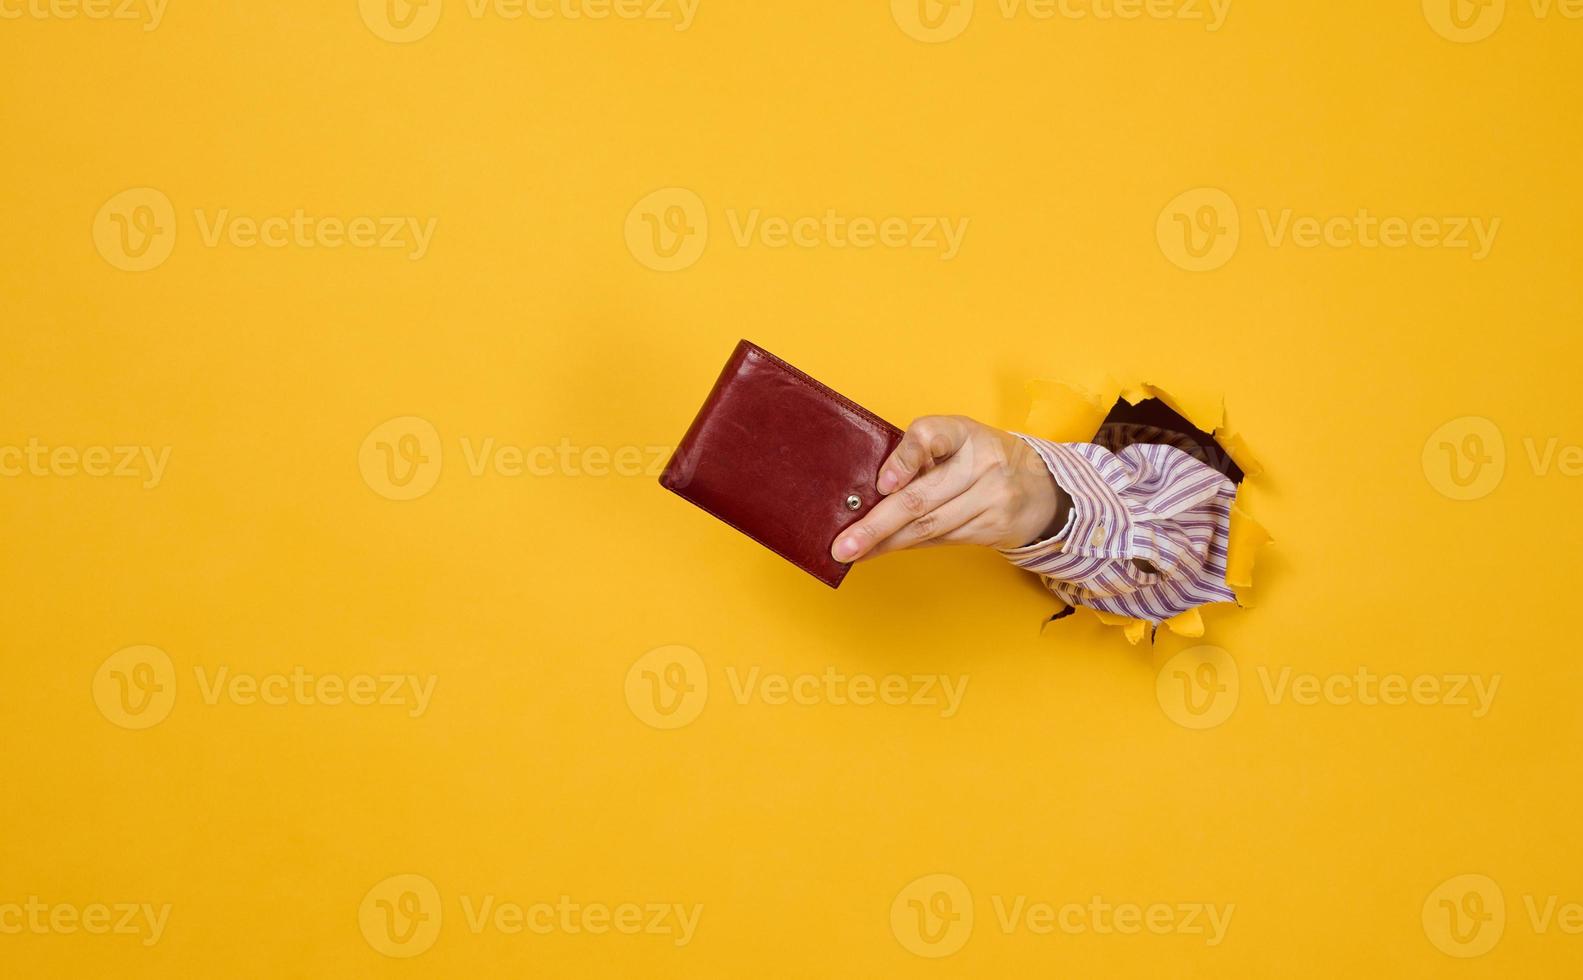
[(1045, 507), (1054, 513)]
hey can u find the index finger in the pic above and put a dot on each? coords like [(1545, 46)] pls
[(930, 438), (914, 505)]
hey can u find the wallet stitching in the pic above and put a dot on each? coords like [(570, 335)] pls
[(815, 383), (742, 530)]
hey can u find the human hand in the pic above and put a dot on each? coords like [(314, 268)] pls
[(956, 481)]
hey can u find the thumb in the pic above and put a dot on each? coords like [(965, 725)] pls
[(928, 439)]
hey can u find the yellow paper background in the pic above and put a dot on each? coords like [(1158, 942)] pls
[(529, 322)]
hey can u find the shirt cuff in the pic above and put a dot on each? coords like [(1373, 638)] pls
[(1098, 526)]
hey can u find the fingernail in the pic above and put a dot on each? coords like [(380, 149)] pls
[(887, 482), (845, 549)]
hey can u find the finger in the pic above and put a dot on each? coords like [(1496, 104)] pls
[(931, 438), (942, 522), (978, 530), (900, 509)]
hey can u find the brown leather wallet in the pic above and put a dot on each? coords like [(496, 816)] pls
[(783, 459)]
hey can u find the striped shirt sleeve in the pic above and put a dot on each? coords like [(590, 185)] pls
[(1151, 503)]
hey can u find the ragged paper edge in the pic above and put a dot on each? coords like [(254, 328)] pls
[(1072, 411)]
